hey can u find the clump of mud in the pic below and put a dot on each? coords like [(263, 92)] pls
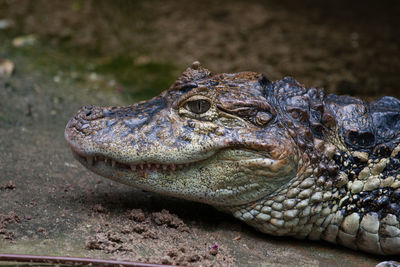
[(125, 236), (5, 220)]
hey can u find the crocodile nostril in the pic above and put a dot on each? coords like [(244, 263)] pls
[(90, 113)]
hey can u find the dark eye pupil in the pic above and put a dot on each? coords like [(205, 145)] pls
[(199, 106)]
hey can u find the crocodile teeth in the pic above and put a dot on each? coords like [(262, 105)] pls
[(173, 167), (154, 167), (92, 160)]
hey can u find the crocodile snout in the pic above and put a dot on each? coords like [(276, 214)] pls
[(82, 124), (84, 117), (89, 113)]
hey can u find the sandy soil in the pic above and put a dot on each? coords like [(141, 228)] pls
[(50, 205)]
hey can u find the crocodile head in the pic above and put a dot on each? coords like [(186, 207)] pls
[(223, 139), (284, 159)]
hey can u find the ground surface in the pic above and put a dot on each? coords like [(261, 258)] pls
[(51, 205)]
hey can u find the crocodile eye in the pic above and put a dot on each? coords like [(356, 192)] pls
[(198, 106)]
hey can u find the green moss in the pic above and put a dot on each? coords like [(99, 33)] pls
[(136, 77), (139, 80)]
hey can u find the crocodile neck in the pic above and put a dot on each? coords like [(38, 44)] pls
[(357, 208)]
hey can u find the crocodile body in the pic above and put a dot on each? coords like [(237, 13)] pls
[(287, 160)]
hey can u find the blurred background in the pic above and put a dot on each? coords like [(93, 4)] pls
[(347, 47)]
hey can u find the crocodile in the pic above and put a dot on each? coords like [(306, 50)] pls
[(287, 160)]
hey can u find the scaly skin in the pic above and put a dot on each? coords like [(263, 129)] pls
[(286, 160)]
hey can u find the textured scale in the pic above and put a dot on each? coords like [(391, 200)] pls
[(287, 160)]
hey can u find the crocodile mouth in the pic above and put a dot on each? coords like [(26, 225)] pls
[(92, 161)]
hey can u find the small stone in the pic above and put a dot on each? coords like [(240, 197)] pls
[(357, 186), (10, 185), (372, 184), (343, 200), (379, 167), (370, 222), (5, 24), (26, 40), (364, 173), (351, 223), (349, 184), (387, 182), (327, 195), (6, 68), (362, 156), (342, 179)]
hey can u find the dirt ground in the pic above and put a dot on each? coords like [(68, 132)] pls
[(50, 205)]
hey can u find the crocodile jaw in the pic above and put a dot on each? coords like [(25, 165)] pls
[(230, 177)]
